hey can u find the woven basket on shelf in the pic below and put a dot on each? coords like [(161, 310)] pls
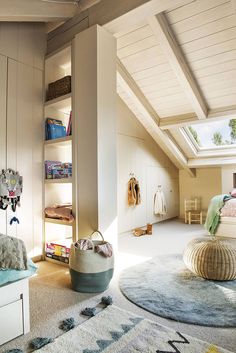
[(59, 88), (211, 259)]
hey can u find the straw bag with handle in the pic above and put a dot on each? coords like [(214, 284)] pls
[(90, 271)]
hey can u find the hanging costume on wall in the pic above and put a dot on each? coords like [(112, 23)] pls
[(11, 184), (160, 203), (134, 197)]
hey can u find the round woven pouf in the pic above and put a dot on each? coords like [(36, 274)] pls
[(211, 259)]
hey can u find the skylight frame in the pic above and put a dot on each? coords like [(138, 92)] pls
[(199, 151)]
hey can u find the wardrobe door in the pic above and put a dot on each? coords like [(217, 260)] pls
[(24, 151), (3, 125), (12, 126), (130, 160)]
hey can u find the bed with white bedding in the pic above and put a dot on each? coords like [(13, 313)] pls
[(227, 225)]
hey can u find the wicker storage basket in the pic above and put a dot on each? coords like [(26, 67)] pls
[(211, 259), (59, 88)]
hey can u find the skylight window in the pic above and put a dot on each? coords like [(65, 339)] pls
[(214, 135)]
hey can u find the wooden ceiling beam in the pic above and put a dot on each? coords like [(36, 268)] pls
[(149, 119), (35, 11), (211, 162), (116, 16), (174, 55), (176, 121)]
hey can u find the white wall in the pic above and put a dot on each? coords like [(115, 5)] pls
[(22, 49), (205, 185), (139, 154), (227, 178)]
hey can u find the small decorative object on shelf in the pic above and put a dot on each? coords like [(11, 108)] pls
[(59, 88)]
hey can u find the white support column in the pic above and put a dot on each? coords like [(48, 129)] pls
[(94, 132)]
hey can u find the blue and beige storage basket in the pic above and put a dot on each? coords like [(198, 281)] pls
[(90, 271)]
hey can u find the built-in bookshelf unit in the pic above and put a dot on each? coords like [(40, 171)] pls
[(58, 232)]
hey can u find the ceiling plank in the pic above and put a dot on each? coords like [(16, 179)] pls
[(178, 63), (191, 118), (149, 119), (233, 2), (35, 11)]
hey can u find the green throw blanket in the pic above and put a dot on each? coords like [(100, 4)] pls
[(213, 213)]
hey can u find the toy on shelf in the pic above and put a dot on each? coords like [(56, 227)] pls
[(57, 170)]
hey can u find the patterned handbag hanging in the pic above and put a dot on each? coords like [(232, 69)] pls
[(11, 184)]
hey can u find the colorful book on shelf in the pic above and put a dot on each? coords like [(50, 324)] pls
[(69, 126), (54, 129)]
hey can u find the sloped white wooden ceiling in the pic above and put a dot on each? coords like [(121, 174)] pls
[(143, 57), (205, 33)]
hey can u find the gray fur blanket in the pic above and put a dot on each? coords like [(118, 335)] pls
[(12, 253)]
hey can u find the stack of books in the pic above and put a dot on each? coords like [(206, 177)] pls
[(55, 129), (59, 250)]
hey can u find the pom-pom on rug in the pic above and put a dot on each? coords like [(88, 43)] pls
[(164, 286), (118, 331)]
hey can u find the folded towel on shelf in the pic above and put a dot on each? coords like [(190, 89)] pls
[(63, 212), (13, 253)]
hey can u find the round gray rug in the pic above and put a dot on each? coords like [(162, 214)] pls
[(164, 286)]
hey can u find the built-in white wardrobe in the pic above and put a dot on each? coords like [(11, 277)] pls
[(22, 50), (139, 155)]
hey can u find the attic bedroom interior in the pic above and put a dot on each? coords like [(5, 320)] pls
[(118, 176)]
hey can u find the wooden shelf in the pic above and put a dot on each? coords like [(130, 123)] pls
[(58, 181), (58, 221), (62, 103), (60, 142)]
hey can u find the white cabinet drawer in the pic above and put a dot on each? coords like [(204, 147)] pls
[(11, 321)]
